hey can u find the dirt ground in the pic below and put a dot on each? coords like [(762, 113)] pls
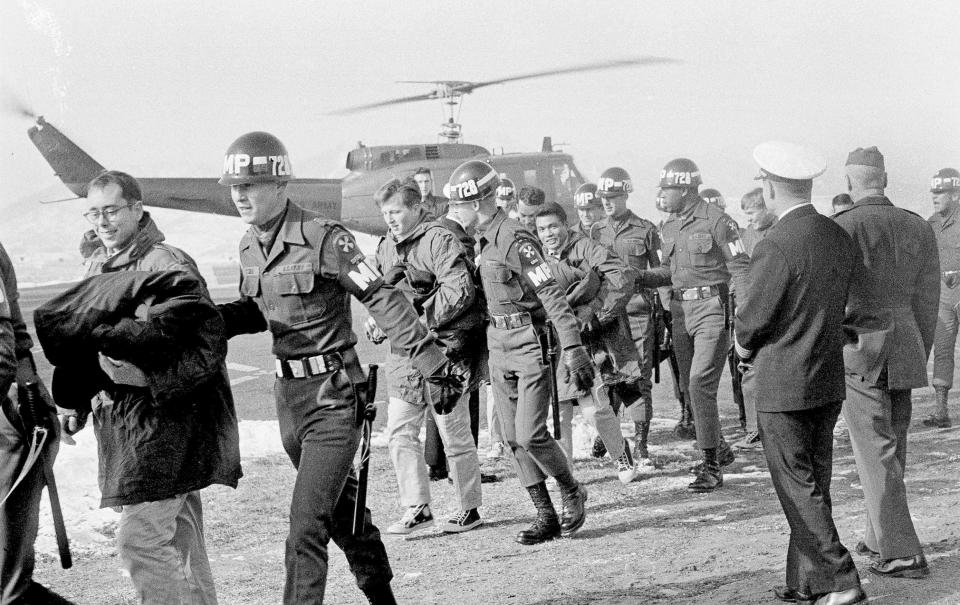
[(647, 542)]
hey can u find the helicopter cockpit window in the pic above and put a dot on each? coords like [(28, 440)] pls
[(566, 180)]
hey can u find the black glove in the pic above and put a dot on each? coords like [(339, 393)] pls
[(578, 367), (395, 274), (444, 388)]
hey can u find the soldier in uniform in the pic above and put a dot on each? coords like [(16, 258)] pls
[(597, 285), (297, 272), (699, 242), (435, 205), (507, 198), (20, 514), (760, 220), (521, 296), (530, 200), (430, 266), (892, 313), (712, 196), (945, 187), (589, 211), (636, 241)]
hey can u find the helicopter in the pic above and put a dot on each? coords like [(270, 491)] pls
[(350, 200)]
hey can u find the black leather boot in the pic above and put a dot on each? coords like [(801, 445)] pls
[(546, 526), (685, 429), (642, 430), (574, 512), (381, 594), (940, 418), (710, 476)]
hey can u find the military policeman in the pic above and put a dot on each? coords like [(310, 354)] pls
[(432, 266), (699, 241), (636, 241), (945, 187), (598, 285), (712, 196), (297, 272), (435, 205), (521, 296), (589, 211), (507, 198)]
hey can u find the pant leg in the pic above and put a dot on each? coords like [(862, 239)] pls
[(474, 403), (705, 322), (869, 414), (566, 428), (19, 516), (799, 447), (403, 437), (601, 415), (319, 431), (682, 345), (493, 425), (433, 452), (748, 385), (901, 409), (160, 545), (644, 339), (944, 346), (461, 451)]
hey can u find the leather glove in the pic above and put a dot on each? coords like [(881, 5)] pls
[(444, 388), (122, 372), (71, 423), (744, 366), (578, 367), (395, 274), (373, 332)]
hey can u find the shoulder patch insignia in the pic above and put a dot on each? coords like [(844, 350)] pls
[(346, 243)]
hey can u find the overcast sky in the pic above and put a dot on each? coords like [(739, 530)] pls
[(161, 88)]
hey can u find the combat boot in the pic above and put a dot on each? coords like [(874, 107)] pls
[(725, 457), (380, 594), (574, 511), (940, 418), (641, 432), (685, 429), (546, 526), (710, 476)]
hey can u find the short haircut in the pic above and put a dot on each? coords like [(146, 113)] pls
[(408, 190), (532, 196), (422, 170), (867, 177), (553, 209), (753, 199), (129, 187), (841, 200), (802, 189)]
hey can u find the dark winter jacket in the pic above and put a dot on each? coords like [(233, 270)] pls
[(179, 433)]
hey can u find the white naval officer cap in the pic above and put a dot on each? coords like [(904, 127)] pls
[(788, 161)]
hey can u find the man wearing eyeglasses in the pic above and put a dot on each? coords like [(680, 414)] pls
[(155, 458)]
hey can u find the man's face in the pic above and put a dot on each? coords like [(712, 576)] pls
[(399, 219), (590, 215), (945, 202), (551, 231), (503, 202), (465, 214), (257, 203), (528, 216), (614, 205), (115, 232), (759, 216), (425, 183), (672, 199)]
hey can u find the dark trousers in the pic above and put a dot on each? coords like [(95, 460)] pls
[(799, 450), (319, 433), (700, 340), (433, 452)]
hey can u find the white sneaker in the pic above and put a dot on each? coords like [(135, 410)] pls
[(416, 518), (498, 450), (625, 469)]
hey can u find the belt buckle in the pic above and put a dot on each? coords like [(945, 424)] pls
[(317, 364), (297, 368)]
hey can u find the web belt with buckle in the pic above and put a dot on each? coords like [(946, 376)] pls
[(698, 293), (308, 366), (512, 321)]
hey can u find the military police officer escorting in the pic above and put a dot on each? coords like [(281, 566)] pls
[(297, 270), (636, 241), (699, 241), (521, 295), (945, 187)]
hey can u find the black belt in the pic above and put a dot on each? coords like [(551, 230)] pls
[(697, 293), (512, 321), (304, 367)]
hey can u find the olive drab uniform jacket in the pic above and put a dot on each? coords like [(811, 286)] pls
[(10, 337), (517, 279), (636, 241), (947, 231), (700, 247), (302, 285), (892, 309)]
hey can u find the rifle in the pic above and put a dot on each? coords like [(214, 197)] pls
[(370, 394), (548, 352), (657, 319), (31, 404)]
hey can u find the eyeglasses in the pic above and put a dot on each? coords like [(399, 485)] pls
[(110, 213)]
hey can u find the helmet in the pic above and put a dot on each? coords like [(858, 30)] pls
[(256, 157), (614, 181), (506, 190), (712, 196), (680, 172), (586, 196), (947, 179), (473, 181)]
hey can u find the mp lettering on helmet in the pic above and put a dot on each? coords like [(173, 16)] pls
[(235, 162), (609, 184), (945, 182), (584, 199)]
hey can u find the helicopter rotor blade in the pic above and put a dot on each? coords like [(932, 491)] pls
[(11, 103), (359, 108)]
